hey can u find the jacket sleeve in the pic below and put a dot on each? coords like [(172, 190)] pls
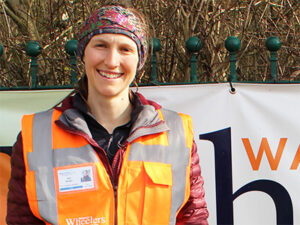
[(18, 210), (195, 210)]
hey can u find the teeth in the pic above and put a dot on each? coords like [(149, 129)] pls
[(110, 75)]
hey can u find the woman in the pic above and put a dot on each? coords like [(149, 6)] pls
[(141, 158)]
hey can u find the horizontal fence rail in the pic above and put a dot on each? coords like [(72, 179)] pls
[(193, 45)]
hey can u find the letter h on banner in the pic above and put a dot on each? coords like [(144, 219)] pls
[(224, 194)]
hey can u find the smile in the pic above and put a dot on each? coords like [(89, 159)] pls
[(110, 75)]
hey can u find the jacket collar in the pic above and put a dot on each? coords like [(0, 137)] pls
[(145, 122)]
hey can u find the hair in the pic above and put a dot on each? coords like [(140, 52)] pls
[(82, 87)]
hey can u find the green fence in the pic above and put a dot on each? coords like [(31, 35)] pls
[(193, 45)]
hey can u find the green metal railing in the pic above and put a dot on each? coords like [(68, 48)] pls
[(273, 44), (33, 49), (232, 44), (193, 45), (71, 48)]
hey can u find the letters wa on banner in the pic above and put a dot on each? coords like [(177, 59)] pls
[(248, 144)]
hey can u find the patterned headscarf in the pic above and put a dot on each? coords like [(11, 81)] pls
[(117, 20)]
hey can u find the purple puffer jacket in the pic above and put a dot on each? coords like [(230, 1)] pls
[(18, 210)]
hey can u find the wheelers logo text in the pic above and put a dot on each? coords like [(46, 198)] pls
[(86, 220)]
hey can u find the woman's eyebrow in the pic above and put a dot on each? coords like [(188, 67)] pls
[(99, 39)]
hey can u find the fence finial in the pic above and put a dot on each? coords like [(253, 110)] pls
[(33, 49), (273, 44), (71, 49), (193, 45), (232, 44), (155, 44)]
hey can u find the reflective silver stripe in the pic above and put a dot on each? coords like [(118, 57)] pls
[(67, 156), (176, 153), (43, 159), (41, 162)]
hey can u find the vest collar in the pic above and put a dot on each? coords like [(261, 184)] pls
[(147, 122)]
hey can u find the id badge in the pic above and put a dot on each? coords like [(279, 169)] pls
[(75, 178)]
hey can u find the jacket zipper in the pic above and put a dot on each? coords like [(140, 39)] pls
[(115, 181), (110, 141)]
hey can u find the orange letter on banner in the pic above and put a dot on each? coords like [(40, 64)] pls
[(264, 146), (296, 161)]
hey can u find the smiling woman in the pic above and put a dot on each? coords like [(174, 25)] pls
[(110, 64), (142, 159)]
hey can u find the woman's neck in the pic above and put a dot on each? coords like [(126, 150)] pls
[(110, 112)]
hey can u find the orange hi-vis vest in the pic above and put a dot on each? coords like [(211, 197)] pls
[(66, 182)]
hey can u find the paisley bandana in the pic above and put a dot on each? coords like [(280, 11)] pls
[(117, 20)]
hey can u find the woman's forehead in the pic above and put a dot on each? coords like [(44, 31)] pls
[(111, 37)]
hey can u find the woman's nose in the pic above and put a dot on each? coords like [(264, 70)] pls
[(112, 59)]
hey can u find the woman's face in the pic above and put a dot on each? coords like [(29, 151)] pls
[(110, 64)]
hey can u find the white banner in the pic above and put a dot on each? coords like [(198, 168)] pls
[(248, 144), (14, 104)]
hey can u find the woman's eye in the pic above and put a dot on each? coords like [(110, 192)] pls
[(100, 45), (128, 50), (125, 49)]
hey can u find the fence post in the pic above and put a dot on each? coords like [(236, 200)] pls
[(273, 44), (155, 44), (232, 44), (71, 49), (33, 49), (1, 53), (1, 50), (193, 45)]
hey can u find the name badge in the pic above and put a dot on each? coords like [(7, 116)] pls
[(76, 178)]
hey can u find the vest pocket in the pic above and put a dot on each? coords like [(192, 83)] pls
[(149, 192), (158, 193)]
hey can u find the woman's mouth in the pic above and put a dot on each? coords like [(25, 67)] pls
[(109, 75)]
